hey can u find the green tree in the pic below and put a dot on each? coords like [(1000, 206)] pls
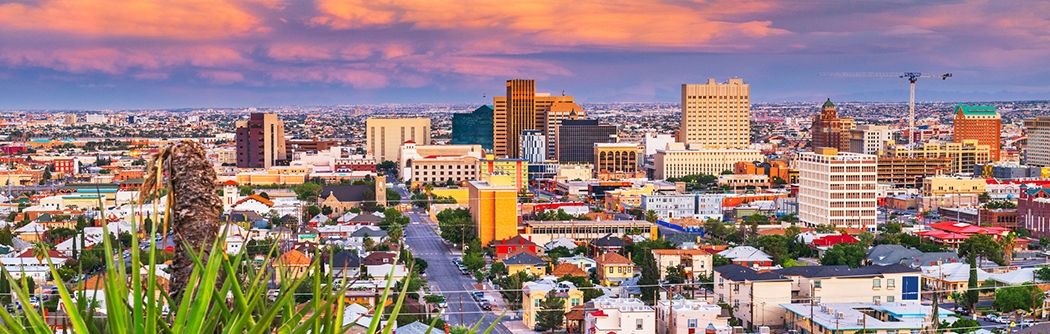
[(7, 236), (1043, 274), (675, 275), (498, 268), (973, 250), (774, 245), (393, 217), (455, 225), (308, 191), (245, 191), (650, 280), (651, 216), (844, 254), (718, 260), (1026, 297), (473, 261), (393, 198), (5, 290), (313, 211), (825, 228), (264, 195), (552, 313), (893, 228), (394, 232), (590, 291), (559, 252), (326, 210)]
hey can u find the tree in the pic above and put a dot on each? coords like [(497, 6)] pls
[(589, 290), (866, 238), (893, 228), (675, 275), (308, 191), (498, 268), (650, 275), (394, 232), (1000, 205), (245, 191), (559, 252), (326, 210), (1008, 242), (1043, 274), (313, 211), (264, 195), (984, 197), (651, 216), (455, 225), (963, 325), (825, 228), (393, 217), (844, 254), (368, 201), (552, 313), (727, 172), (719, 260), (473, 261), (7, 236), (1026, 297), (974, 249), (774, 245), (393, 198)]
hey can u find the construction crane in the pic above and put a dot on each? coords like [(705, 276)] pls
[(912, 78)]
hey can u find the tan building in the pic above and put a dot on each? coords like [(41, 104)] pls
[(550, 111), (536, 292), (964, 155), (869, 139), (439, 164), (716, 115), (1038, 151), (280, 175), (384, 136), (837, 188), (744, 181), (678, 160), (260, 141), (494, 208), (694, 262), (951, 185), (755, 297), (685, 316), (906, 171), (616, 157)]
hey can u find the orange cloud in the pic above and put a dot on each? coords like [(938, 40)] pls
[(181, 19)]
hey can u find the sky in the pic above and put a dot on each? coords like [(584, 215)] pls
[(135, 54)]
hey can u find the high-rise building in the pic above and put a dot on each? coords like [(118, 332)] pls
[(576, 139), (1038, 151), (473, 128), (616, 157), (830, 130), (980, 123), (716, 115), (869, 139), (260, 141), (384, 136), (513, 113), (551, 110), (533, 146), (837, 188)]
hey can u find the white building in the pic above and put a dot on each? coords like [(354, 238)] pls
[(653, 142), (677, 160), (683, 316), (837, 188), (869, 139), (696, 206), (533, 146), (1038, 150), (620, 315)]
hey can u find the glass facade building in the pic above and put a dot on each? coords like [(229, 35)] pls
[(474, 128)]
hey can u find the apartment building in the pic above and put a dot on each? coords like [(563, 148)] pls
[(979, 123), (695, 262), (1038, 151), (869, 139), (620, 315), (837, 188), (755, 297), (536, 292), (684, 316), (675, 206)]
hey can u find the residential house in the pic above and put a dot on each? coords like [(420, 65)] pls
[(568, 269), (842, 284), (365, 219), (605, 244), (358, 237), (694, 262), (613, 268), (619, 315), (754, 295), (536, 292), (292, 264), (508, 247), (684, 316), (345, 264), (32, 232), (884, 255), (254, 203), (27, 264), (748, 256), (380, 264), (950, 277), (341, 198), (585, 263), (525, 262), (561, 242)]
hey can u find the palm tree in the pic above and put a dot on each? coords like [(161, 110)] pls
[(1008, 241), (195, 206)]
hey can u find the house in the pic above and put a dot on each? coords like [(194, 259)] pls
[(341, 198), (318, 220), (292, 264), (567, 269), (951, 234), (561, 242), (694, 262), (536, 292), (365, 219), (358, 237), (32, 232), (748, 256), (345, 218), (683, 316), (585, 263), (345, 264), (619, 315), (613, 268), (825, 242), (525, 262), (26, 264), (608, 243), (739, 287), (332, 232), (380, 264), (903, 317), (508, 247), (414, 328), (950, 277), (842, 284), (253, 203), (884, 255)]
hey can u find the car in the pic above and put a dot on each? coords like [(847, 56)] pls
[(478, 295), (991, 318), (442, 304), (1004, 320), (485, 305), (1026, 324)]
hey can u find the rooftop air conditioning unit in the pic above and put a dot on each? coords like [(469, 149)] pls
[(842, 315), (860, 321), (763, 330), (738, 330)]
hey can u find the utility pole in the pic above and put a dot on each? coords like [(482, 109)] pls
[(461, 310), (936, 299), (812, 302)]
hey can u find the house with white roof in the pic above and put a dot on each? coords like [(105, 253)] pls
[(950, 277), (620, 315), (561, 242), (875, 317), (749, 257)]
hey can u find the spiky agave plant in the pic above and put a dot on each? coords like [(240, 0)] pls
[(134, 304)]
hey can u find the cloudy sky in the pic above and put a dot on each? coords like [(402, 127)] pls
[(224, 53)]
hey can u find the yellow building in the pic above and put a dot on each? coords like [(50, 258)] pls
[(517, 169), (679, 159), (291, 265), (494, 208), (964, 155), (716, 115), (289, 175), (527, 263), (949, 185), (613, 268), (462, 195), (536, 292), (620, 199), (522, 108), (616, 157), (384, 136)]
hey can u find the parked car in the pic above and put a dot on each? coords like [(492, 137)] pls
[(442, 304), (485, 305), (991, 318), (1026, 324), (478, 295)]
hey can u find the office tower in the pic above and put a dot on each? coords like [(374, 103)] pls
[(260, 141), (513, 113), (1038, 151), (616, 157), (533, 146), (576, 139), (473, 128), (550, 111), (869, 139), (980, 123), (385, 135), (716, 115), (830, 130), (837, 188)]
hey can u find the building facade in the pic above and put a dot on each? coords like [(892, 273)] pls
[(533, 146), (828, 130), (384, 136), (677, 206), (576, 139), (980, 123), (620, 315), (516, 169), (616, 157), (953, 185), (716, 115), (678, 160), (837, 188), (964, 155), (551, 110), (473, 128), (494, 208), (869, 139), (908, 172), (513, 113), (260, 141), (1038, 151)]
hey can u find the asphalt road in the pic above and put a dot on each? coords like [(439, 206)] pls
[(445, 279)]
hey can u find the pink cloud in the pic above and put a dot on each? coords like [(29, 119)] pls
[(221, 77)]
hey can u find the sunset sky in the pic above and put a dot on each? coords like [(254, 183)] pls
[(227, 53)]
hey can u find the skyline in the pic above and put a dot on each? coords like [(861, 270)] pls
[(147, 54)]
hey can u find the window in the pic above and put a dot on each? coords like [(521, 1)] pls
[(610, 270), (536, 303), (576, 301), (691, 323), (638, 324), (876, 283), (816, 284), (889, 299), (890, 283), (875, 299)]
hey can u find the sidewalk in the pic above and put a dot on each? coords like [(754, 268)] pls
[(511, 319)]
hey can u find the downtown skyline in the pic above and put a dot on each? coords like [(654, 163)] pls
[(133, 54)]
